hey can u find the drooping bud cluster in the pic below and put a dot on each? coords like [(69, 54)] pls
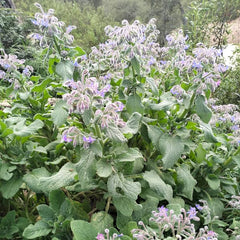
[(90, 94), (49, 26), (228, 118), (11, 68), (179, 225)]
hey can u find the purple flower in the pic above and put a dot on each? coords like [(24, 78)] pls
[(65, 138), (120, 106), (151, 61), (84, 57), (200, 208), (2, 74), (104, 90), (162, 211), (222, 119), (87, 141), (222, 68), (211, 234), (107, 76), (192, 213), (35, 22), (70, 28), (6, 66), (76, 64), (197, 65), (235, 127), (44, 23), (100, 236), (37, 36), (218, 83)]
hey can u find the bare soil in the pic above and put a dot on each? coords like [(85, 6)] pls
[(234, 36)]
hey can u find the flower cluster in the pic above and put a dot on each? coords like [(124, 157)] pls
[(85, 93), (10, 68), (90, 94), (235, 202), (179, 225), (50, 27), (125, 43), (201, 67), (75, 136), (227, 116), (106, 236)]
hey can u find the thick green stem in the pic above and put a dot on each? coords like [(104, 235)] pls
[(186, 110), (99, 134), (229, 160), (57, 46)]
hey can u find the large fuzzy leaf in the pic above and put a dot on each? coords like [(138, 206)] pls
[(158, 185), (64, 177), (186, 182), (171, 148)]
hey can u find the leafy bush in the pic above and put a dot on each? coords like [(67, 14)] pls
[(207, 21)]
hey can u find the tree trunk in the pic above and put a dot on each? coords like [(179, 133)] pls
[(8, 4)]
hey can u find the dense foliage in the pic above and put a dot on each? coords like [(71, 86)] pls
[(91, 144)]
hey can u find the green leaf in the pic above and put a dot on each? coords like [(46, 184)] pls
[(216, 206), (148, 206), (213, 181), (64, 177), (6, 170), (127, 230), (59, 114), (133, 123), (119, 186), (124, 205), (129, 155), (11, 187), (39, 229), (200, 153), (96, 147), (42, 86), (134, 104), (152, 85), (171, 148), (20, 129), (202, 109), (208, 133), (154, 133), (80, 51), (83, 230), (52, 62), (32, 179), (8, 226), (101, 221), (56, 199), (175, 207), (86, 169), (46, 212), (65, 70), (167, 101), (114, 133), (104, 169), (158, 185), (136, 65), (186, 182)]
